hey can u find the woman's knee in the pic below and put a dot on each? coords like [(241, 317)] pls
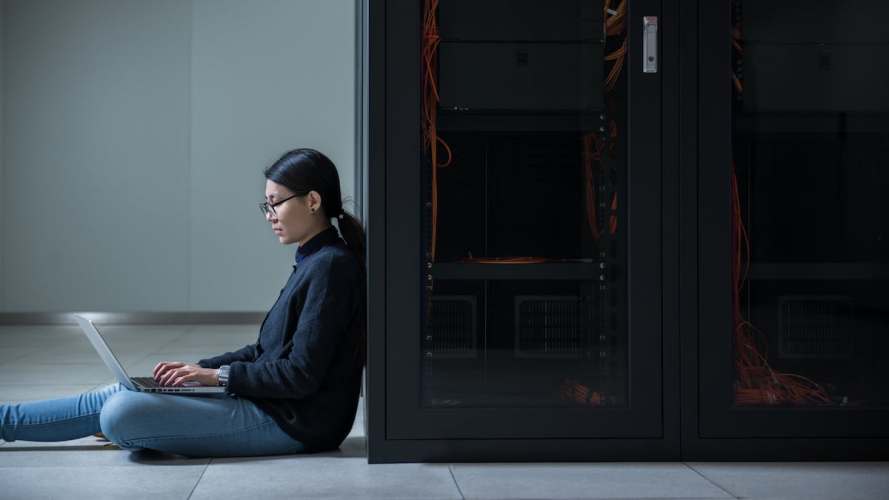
[(120, 415)]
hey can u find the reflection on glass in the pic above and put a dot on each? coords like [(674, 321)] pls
[(811, 219), (524, 129)]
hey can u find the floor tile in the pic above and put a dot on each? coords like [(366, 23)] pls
[(15, 352), (800, 480), (100, 482), (90, 452), (49, 373), (582, 480), (138, 331), (74, 356), (210, 345), (321, 476), (22, 392), (237, 329)]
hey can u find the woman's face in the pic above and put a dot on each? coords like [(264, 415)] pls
[(293, 220)]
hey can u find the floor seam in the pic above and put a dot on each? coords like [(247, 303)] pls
[(712, 482), (451, 470), (196, 483)]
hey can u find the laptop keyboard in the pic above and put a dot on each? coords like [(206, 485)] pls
[(146, 382)]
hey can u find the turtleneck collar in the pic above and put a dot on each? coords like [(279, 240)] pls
[(325, 237)]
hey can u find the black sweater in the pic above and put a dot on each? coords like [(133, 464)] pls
[(301, 370)]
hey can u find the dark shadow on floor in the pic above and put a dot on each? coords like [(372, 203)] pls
[(352, 447)]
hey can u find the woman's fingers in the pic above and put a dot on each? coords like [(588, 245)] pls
[(163, 366), (184, 378), (159, 368), (170, 372), (171, 375)]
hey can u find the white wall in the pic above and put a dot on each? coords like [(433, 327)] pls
[(135, 136)]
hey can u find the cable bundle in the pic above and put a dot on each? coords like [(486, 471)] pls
[(736, 43), (431, 40), (592, 153), (592, 143), (593, 146), (757, 383), (572, 390), (615, 25)]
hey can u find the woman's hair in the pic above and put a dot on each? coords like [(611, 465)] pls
[(303, 170)]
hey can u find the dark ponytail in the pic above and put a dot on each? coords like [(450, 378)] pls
[(353, 233), (303, 170)]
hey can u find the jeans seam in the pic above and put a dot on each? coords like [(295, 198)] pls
[(203, 436)]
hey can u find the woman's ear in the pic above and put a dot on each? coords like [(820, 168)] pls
[(313, 200)]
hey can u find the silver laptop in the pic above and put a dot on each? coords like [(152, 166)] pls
[(140, 384)]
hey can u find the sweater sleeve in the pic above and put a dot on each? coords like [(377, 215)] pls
[(328, 308), (247, 353)]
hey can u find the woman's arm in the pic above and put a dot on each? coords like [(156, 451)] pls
[(329, 307)]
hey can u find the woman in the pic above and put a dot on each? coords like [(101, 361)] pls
[(295, 390)]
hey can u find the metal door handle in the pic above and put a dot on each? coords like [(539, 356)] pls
[(649, 44)]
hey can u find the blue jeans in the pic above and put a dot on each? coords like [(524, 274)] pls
[(211, 425)]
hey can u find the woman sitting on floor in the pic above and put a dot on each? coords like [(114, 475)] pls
[(295, 390)]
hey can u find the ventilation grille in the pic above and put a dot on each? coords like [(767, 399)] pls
[(452, 327), (551, 326), (815, 327)]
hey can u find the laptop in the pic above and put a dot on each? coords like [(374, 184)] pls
[(139, 384)]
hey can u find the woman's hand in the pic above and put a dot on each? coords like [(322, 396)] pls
[(175, 373)]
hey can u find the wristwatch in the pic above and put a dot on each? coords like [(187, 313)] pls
[(222, 373)]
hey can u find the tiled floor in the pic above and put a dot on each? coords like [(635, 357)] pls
[(52, 361)]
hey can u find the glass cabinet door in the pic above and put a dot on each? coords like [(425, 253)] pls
[(794, 183), (523, 258)]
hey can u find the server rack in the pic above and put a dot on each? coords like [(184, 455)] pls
[(520, 322), (492, 337), (784, 295)]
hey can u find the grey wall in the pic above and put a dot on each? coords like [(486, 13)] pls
[(135, 136), (2, 206)]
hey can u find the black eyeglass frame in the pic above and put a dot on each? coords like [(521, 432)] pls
[(265, 207)]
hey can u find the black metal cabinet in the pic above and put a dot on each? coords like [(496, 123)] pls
[(517, 299), (554, 279), (785, 230)]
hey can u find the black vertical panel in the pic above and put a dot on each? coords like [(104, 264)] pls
[(715, 210), (672, 38), (687, 28), (403, 212), (643, 215), (375, 228)]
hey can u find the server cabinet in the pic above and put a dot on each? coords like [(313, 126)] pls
[(515, 222), (785, 230)]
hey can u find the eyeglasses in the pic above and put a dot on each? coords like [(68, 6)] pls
[(265, 207)]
